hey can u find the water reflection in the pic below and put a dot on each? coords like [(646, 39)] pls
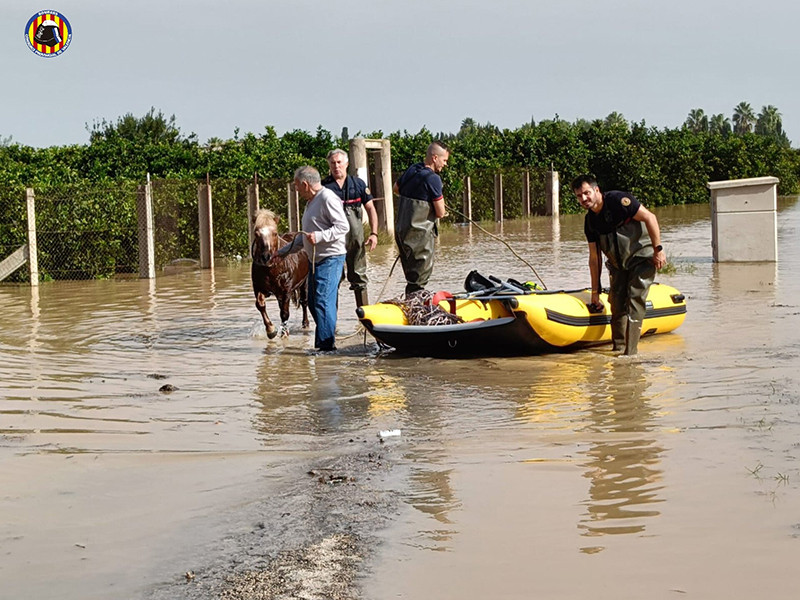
[(732, 279), (296, 395), (554, 401), (622, 465), (602, 398), (555, 232), (387, 398), (33, 338), (432, 494)]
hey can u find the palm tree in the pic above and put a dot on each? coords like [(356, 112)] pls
[(697, 121), (769, 124), (468, 124), (769, 121), (616, 119), (719, 124), (743, 118)]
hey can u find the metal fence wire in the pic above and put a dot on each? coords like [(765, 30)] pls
[(90, 231), (87, 232), (175, 225), (482, 189), (13, 226)]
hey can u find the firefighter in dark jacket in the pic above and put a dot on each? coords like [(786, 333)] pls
[(618, 226), (420, 203)]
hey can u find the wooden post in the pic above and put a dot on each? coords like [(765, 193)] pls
[(466, 201), (498, 197), (294, 207), (206, 220), (526, 193), (33, 257), (144, 213), (551, 185), (252, 208)]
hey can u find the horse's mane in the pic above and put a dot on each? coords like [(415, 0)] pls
[(264, 218)]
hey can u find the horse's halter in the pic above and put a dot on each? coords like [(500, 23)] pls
[(257, 256)]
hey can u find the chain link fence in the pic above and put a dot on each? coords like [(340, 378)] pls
[(482, 187), (91, 231)]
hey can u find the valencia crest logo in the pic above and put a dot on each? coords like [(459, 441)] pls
[(48, 33)]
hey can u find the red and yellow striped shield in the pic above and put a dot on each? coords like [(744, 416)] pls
[(48, 33)]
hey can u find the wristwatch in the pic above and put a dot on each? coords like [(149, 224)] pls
[(658, 248)]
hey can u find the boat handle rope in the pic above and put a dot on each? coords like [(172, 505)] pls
[(499, 239)]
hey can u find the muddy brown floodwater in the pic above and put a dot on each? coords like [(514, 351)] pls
[(261, 475)]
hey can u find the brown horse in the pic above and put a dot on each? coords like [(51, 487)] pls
[(287, 279)]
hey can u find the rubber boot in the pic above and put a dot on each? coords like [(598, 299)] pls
[(361, 297), (632, 338), (619, 327)]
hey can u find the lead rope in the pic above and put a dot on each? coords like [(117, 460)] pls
[(360, 328)]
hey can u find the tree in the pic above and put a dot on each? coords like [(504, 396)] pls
[(743, 118), (719, 124), (467, 125), (769, 124), (616, 119), (697, 121), (152, 128)]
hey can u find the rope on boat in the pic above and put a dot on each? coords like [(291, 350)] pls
[(501, 240)]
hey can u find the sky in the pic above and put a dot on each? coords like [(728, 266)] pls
[(394, 65)]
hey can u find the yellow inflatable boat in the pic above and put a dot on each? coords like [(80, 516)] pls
[(509, 320)]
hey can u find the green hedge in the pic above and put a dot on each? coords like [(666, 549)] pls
[(86, 194)]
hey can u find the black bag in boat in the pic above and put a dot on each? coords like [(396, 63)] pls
[(475, 282)]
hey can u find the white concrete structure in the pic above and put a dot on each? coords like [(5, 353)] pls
[(382, 189), (744, 221)]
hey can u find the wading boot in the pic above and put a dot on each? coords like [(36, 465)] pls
[(619, 327), (632, 338), (361, 297)]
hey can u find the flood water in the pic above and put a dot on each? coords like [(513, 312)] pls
[(579, 475)]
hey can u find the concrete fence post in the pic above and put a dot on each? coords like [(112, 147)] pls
[(33, 257), (466, 200), (551, 185), (386, 209), (498, 197), (358, 158), (144, 214), (252, 209), (293, 200), (526, 193), (206, 221), (382, 188)]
